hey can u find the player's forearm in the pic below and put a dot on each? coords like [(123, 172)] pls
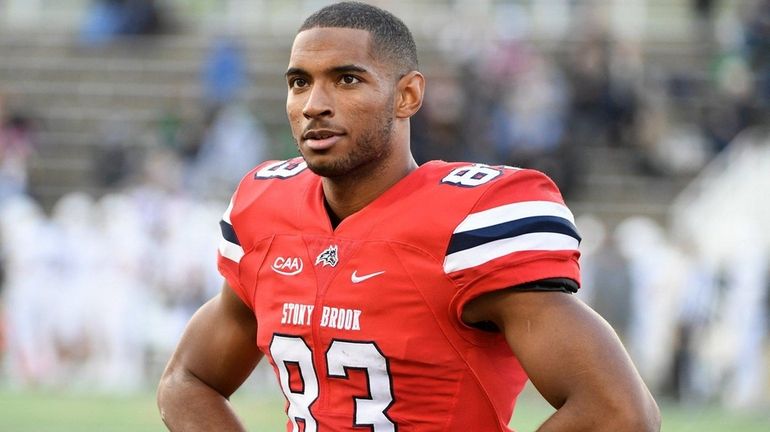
[(614, 416), (189, 405)]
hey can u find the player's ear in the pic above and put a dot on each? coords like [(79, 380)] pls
[(410, 91)]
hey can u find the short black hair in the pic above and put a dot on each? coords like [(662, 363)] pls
[(390, 36)]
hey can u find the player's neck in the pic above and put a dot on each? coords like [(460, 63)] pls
[(345, 196)]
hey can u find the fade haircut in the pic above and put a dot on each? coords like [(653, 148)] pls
[(390, 40)]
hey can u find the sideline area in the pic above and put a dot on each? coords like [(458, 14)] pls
[(51, 412)]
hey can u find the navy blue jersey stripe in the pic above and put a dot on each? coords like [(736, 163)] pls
[(228, 232), (535, 224)]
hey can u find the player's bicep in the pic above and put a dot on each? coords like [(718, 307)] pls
[(567, 350), (218, 346)]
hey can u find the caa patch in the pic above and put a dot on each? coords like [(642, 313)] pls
[(472, 175), (289, 266)]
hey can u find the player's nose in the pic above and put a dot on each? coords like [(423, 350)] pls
[(319, 103)]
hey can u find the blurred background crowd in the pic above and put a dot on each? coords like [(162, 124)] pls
[(126, 124)]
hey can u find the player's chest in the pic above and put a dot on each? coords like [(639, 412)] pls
[(325, 288)]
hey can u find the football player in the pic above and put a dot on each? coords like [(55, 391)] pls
[(389, 296)]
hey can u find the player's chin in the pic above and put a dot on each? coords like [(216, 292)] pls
[(324, 166)]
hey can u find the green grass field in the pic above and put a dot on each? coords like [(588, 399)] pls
[(38, 412)]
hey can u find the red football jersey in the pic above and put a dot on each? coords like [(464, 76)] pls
[(362, 323)]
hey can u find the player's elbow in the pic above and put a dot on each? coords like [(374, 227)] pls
[(650, 419), (639, 421), (642, 415), (170, 389), (164, 392)]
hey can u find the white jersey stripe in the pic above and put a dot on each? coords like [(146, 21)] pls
[(230, 250), (226, 216), (511, 212), (541, 241)]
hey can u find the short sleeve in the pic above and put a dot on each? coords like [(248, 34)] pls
[(229, 254), (519, 231)]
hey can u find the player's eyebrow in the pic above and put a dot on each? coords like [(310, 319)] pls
[(348, 68), (295, 71)]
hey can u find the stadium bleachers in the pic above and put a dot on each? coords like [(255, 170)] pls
[(72, 90)]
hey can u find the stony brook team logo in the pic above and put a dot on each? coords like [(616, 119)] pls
[(328, 257), (288, 266)]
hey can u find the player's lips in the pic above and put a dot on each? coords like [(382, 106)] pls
[(321, 139)]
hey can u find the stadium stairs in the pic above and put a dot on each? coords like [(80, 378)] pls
[(73, 91)]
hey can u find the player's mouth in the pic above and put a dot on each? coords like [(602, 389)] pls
[(321, 139)]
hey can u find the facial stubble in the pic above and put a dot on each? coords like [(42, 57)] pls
[(373, 145)]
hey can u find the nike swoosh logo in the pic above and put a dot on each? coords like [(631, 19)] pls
[(356, 278)]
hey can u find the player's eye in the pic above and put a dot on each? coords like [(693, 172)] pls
[(297, 83), (349, 79)]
